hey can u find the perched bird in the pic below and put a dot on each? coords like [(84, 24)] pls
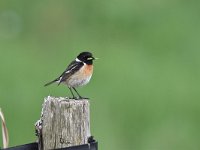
[(78, 73)]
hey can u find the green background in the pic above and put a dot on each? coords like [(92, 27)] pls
[(145, 88)]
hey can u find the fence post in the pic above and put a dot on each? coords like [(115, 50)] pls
[(64, 122)]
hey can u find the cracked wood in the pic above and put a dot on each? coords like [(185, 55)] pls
[(64, 122)]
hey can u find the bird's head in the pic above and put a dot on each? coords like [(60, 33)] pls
[(85, 57)]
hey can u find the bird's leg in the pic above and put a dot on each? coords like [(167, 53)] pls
[(80, 97), (72, 93)]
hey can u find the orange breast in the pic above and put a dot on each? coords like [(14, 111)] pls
[(88, 70)]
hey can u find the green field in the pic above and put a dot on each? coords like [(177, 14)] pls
[(145, 91)]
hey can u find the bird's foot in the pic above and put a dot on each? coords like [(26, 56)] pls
[(80, 97), (75, 98)]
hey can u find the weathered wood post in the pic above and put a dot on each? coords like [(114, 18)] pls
[(64, 122)]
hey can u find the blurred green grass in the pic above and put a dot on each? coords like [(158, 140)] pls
[(145, 88)]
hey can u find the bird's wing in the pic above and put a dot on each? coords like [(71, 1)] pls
[(71, 69)]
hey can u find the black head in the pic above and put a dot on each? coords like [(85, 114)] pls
[(86, 57)]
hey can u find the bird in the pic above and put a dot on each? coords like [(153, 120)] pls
[(78, 73)]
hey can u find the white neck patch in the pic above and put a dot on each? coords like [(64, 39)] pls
[(78, 60)]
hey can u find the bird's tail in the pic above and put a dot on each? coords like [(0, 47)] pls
[(51, 82)]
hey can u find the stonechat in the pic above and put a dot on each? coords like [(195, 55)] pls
[(78, 73)]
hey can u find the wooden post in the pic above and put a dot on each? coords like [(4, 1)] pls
[(64, 122)]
